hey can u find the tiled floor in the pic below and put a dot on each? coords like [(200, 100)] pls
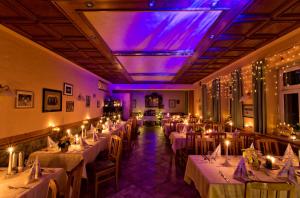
[(148, 171)]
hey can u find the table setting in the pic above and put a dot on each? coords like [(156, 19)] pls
[(217, 175)]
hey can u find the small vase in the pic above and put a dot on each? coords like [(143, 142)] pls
[(64, 149)]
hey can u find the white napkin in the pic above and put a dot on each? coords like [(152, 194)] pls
[(35, 172), (240, 172), (83, 143), (184, 129), (51, 143), (95, 136), (288, 171), (252, 145), (216, 153), (289, 153)]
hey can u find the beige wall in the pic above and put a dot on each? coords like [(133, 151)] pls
[(28, 66)]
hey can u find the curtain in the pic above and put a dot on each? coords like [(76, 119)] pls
[(216, 103), (237, 93), (204, 102), (259, 96)]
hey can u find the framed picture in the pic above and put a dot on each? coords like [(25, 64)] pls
[(69, 106), (248, 110), (68, 89), (24, 99), (88, 101), (133, 104), (172, 103), (98, 103), (52, 100), (102, 86)]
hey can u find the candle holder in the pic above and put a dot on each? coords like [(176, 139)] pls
[(227, 163)]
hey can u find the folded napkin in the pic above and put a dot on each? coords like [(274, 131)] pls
[(95, 136), (51, 143), (288, 171), (184, 129), (240, 172), (252, 145), (83, 143), (35, 172), (289, 154), (216, 153)]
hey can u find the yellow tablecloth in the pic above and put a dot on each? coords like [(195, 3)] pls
[(211, 184), (38, 189)]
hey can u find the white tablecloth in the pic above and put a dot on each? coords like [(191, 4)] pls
[(55, 158), (211, 184), (177, 140), (114, 130), (38, 189)]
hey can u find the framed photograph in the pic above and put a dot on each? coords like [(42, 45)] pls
[(172, 103), (52, 100), (98, 103), (24, 99), (69, 106), (88, 101), (68, 89), (133, 104), (248, 110), (102, 86)]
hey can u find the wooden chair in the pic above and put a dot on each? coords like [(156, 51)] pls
[(268, 146), (248, 138), (265, 189), (203, 145), (127, 137), (236, 146), (74, 181), (105, 170), (52, 189), (198, 128), (219, 137)]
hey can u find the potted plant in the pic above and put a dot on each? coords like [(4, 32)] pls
[(64, 143)]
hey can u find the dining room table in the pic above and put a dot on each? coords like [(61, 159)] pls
[(177, 141), (15, 186), (213, 179), (55, 158)]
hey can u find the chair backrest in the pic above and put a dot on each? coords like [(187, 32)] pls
[(268, 146), (190, 142), (52, 189), (219, 137), (128, 129), (203, 145), (265, 189), (236, 146), (247, 137), (198, 127), (74, 181), (115, 148)]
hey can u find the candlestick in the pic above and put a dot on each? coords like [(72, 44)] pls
[(226, 163), (9, 170), (69, 132), (85, 133), (20, 162), (82, 127), (36, 173), (14, 160)]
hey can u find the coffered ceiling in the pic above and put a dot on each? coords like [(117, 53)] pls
[(153, 41)]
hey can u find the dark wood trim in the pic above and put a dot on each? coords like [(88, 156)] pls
[(29, 136)]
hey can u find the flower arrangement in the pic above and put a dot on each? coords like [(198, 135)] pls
[(285, 129), (251, 156), (64, 143)]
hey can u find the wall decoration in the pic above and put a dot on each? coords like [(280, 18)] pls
[(102, 86), (69, 106), (88, 101), (177, 101), (153, 100), (52, 100), (79, 97), (98, 103), (172, 103), (24, 99), (133, 103), (248, 110), (68, 89)]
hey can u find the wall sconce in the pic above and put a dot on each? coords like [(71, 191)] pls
[(5, 90)]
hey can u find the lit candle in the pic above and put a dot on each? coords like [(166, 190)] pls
[(10, 151), (82, 127), (14, 160), (227, 142), (293, 137), (231, 124), (69, 132)]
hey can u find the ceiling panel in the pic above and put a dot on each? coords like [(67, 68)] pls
[(151, 64), (152, 30), (152, 78)]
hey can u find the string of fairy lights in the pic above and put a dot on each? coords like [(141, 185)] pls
[(272, 65)]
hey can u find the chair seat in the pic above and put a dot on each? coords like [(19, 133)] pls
[(102, 165)]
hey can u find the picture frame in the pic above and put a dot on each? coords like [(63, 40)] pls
[(248, 111), (52, 100), (102, 86), (172, 103), (68, 89), (24, 99), (69, 106), (88, 101), (98, 103)]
